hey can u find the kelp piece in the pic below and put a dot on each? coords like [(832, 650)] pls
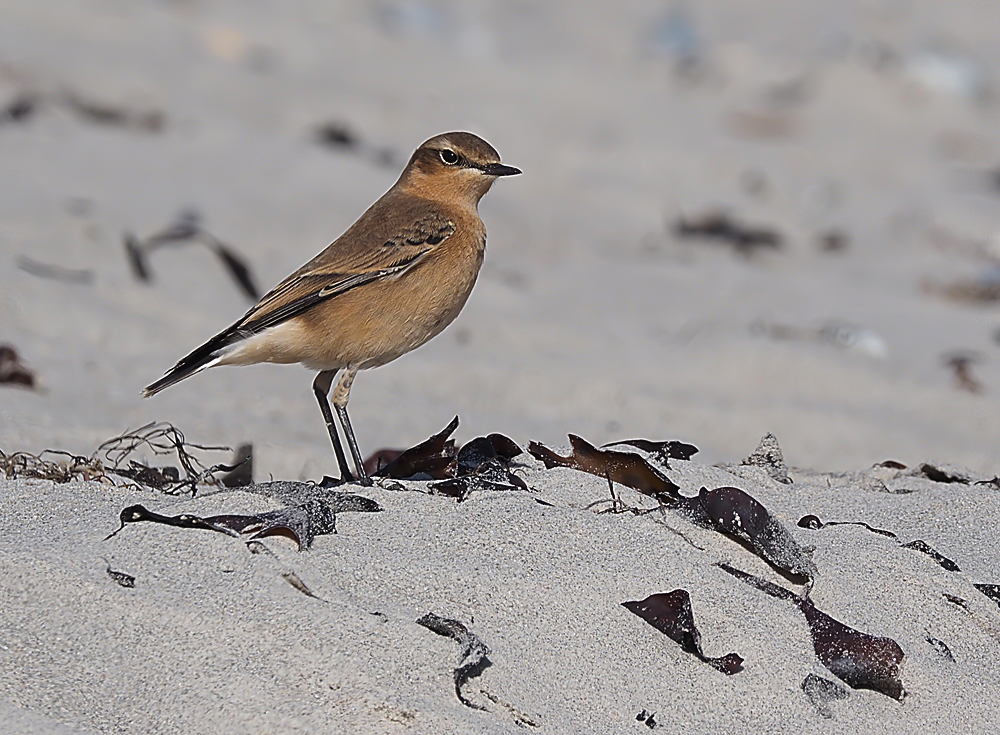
[(736, 512), (945, 473), (121, 578), (990, 590), (13, 371), (102, 113), (483, 464), (160, 439), (434, 457), (663, 451), (859, 659), (821, 692), (242, 473), (78, 276), (671, 614), (940, 647), (719, 226), (185, 229), (301, 523), (296, 581), (814, 523), (625, 468), (475, 653)]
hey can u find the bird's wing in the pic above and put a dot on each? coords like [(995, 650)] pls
[(367, 252)]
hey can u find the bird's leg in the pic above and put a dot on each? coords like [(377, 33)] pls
[(321, 387), (340, 396)]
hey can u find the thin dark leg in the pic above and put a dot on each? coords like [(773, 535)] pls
[(341, 394), (321, 387), (353, 444)]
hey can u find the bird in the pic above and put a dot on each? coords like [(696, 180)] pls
[(396, 278)]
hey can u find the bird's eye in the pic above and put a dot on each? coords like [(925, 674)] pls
[(449, 157)]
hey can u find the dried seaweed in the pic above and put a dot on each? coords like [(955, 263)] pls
[(719, 226), (55, 272), (157, 438), (38, 467), (735, 512), (648, 719), (293, 579), (121, 578), (27, 104), (242, 473), (821, 692), (671, 614), (861, 660), (160, 439), (434, 457), (475, 653), (990, 590), (945, 473), (482, 464), (625, 468), (105, 114), (335, 134), (12, 370), (19, 109), (814, 523), (940, 647), (961, 366), (379, 459), (663, 451), (291, 492), (301, 523), (187, 229)]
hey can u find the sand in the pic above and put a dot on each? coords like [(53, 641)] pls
[(875, 120)]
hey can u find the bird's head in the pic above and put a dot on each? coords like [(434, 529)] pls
[(454, 167)]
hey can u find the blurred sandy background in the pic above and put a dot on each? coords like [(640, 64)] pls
[(863, 134)]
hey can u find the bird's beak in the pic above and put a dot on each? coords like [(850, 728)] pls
[(498, 169)]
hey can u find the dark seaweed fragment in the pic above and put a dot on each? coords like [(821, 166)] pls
[(55, 272), (861, 660), (481, 466), (121, 578), (822, 692), (943, 561), (158, 478), (814, 523), (434, 457), (475, 653), (19, 109), (12, 370), (941, 473), (625, 468), (242, 473), (721, 227), (302, 523), (990, 590), (105, 114), (737, 513), (185, 229), (663, 451), (940, 647), (671, 614), (379, 459)]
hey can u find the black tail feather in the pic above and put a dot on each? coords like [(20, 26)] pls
[(193, 362)]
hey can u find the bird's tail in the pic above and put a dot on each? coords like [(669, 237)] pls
[(201, 358)]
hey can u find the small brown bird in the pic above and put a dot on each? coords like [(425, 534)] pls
[(394, 279)]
